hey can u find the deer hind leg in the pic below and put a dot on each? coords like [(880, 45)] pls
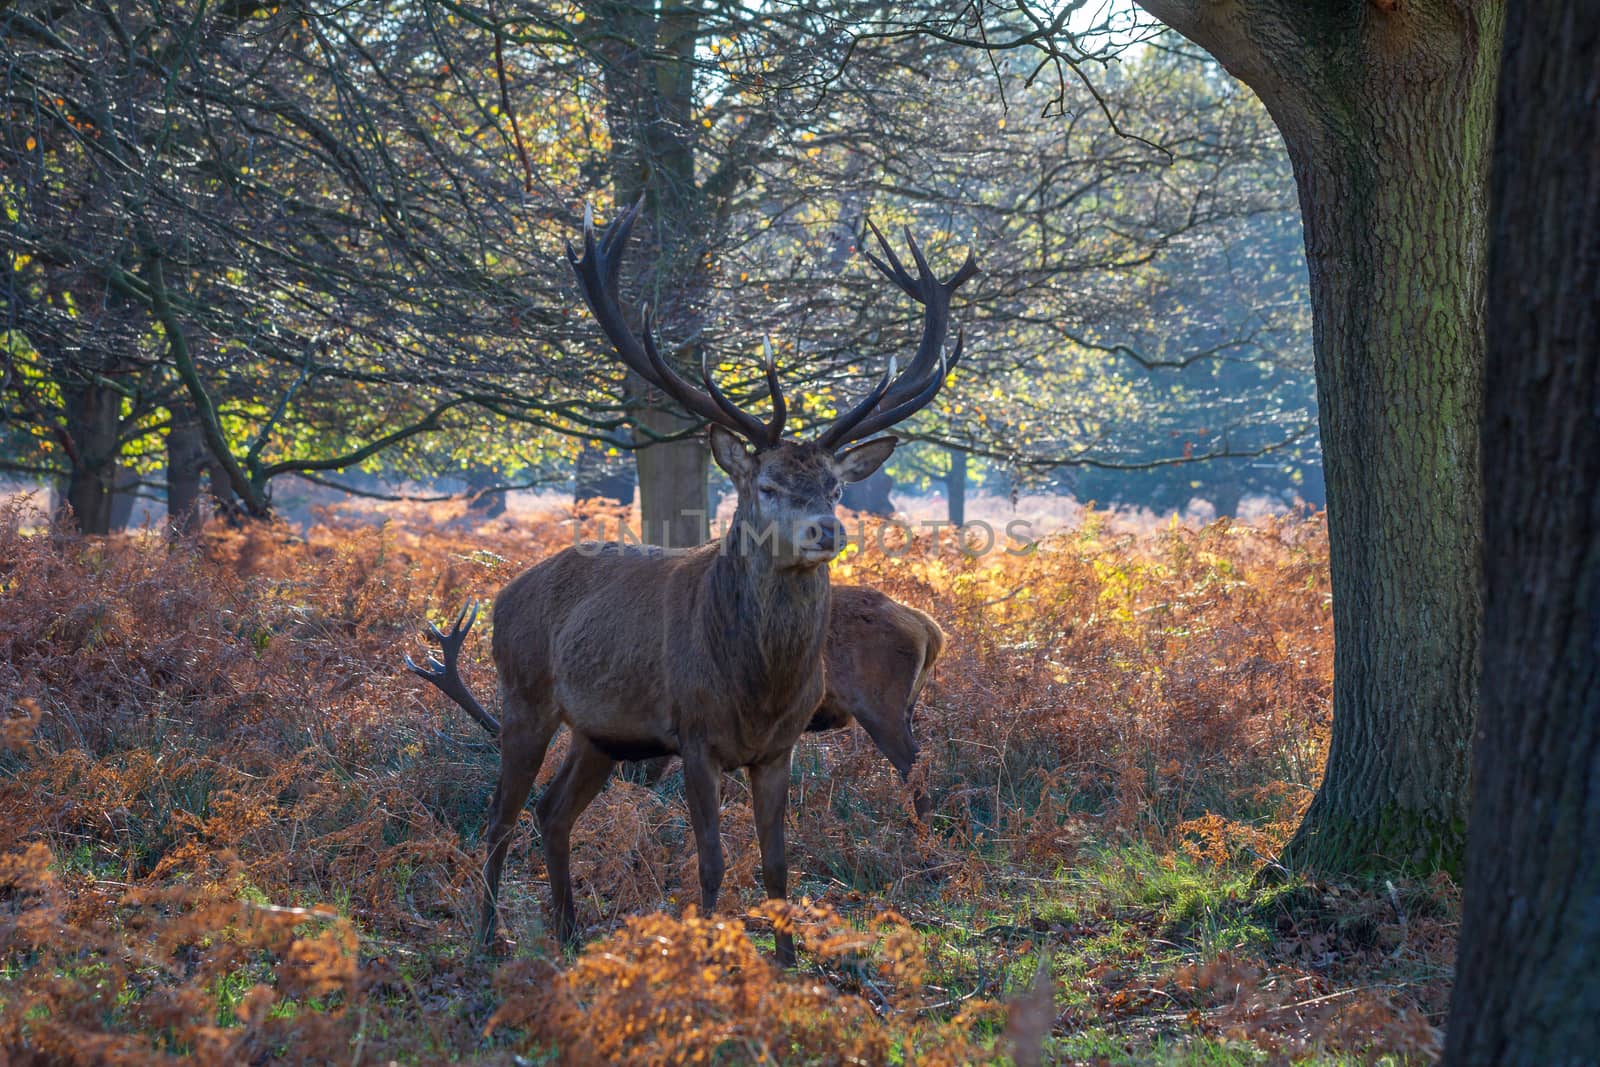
[(769, 791), (702, 781), (523, 740), (575, 785)]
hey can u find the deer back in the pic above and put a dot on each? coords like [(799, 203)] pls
[(879, 655)]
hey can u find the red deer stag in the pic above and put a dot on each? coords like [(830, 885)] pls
[(877, 659), (714, 654)]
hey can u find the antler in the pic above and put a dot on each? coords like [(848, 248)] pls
[(445, 675), (897, 398), (598, 272)]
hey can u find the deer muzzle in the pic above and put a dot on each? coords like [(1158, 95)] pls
[(820, 539)]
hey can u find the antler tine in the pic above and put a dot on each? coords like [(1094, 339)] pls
[(905, 409), (598, 271), (756, 430), (463, 623), (894, 270), (839, 431), (780, 409), (925, 374), (965, 273), (936, 323), (924, 273), (444, 673)]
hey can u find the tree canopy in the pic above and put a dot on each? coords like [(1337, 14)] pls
[(320, 238)]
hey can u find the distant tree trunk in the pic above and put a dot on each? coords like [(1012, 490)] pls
[(1226, 492), (597, 476), (186, 461), (124, 496), (872, 495), (1386, 111), (92, 415), (1528, 970), (225, 503), (955, 484), (673, 505), (485, 504)]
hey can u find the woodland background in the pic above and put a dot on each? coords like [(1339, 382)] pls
[(288, 278)]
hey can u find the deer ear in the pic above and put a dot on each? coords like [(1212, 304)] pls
[(859, 463), (730, 453)]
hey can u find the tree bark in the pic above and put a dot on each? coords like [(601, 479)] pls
[(186, 461), (674, 509), (1528, 969), (93, 413), (124, 497), (648, 70), (1386, 112), (1226, 490)]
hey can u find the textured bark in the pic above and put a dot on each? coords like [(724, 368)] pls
[(1386, 113), (649, 74), (1528, 970), (93, 413), (124, 495), (673, 505)]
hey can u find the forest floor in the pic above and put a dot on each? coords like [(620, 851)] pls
[(233, 828)]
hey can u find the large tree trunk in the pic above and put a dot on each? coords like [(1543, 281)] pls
[(93, 413), (1226, 488), (648, 72), (1386, 112), (673, 505), (1528, 970), (124, 497)]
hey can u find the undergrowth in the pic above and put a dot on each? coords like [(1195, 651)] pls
[(233, 829)]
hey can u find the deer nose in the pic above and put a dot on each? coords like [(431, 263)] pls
[(823, 535)]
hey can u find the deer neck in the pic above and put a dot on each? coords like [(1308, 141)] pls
[(769, 622)]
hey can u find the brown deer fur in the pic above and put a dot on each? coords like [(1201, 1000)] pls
[(878, 657), (714, 655)]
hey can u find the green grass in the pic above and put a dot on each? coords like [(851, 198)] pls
[(1121, 919)]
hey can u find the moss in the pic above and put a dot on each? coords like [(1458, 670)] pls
[(1386, 841)]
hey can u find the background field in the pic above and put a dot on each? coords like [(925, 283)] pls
[(231, 826)]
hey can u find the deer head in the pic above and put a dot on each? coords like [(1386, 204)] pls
[(787, 489)]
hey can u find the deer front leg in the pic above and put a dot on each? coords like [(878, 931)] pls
[(576, 784), (522, 746), (701, 781), (769, 791)]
